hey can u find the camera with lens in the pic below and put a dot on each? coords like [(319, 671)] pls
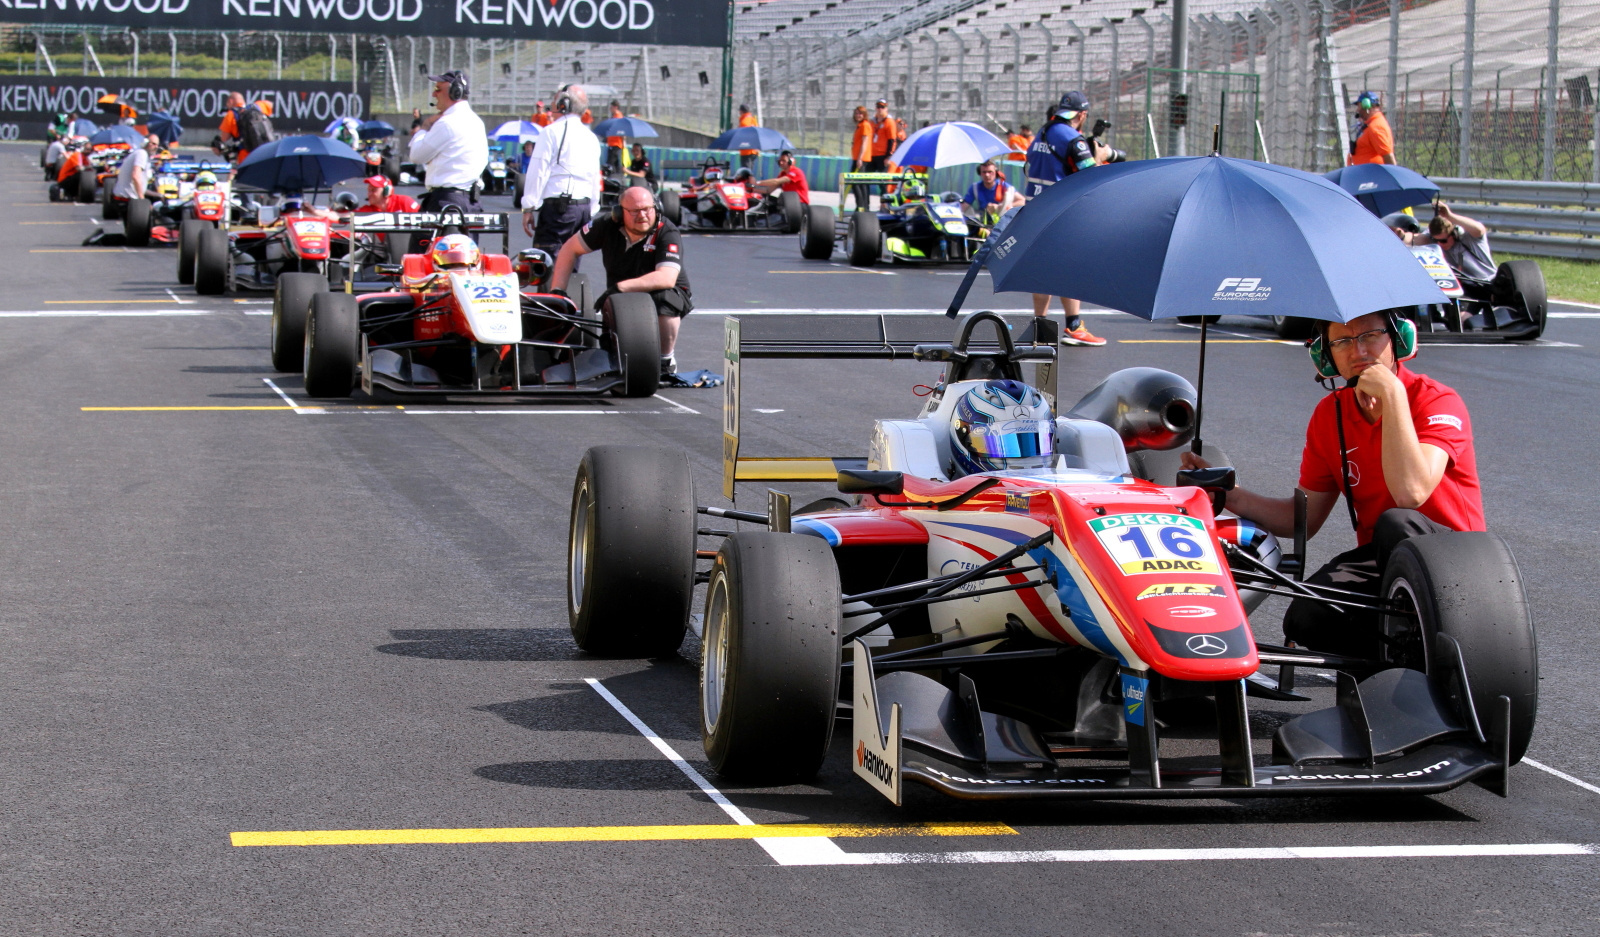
[(1101, 126)]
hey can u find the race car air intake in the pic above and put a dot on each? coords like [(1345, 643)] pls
[(1148, 407)]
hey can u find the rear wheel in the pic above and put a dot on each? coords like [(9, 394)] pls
[(110, 208), (189, 247), (769, 662), (794, 211), (88, 185), (136, 222), (637, 343), (1294, 328), (671, 207), (816, 238), (291, 304), (863, 243), (1467, 585), (1520, 283), (332, 344), (211, 263), (630, 551)]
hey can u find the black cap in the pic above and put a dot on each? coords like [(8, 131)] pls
[(744, 108), (1074, 101), (457, 78)]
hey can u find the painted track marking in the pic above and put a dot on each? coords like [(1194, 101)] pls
[(609, 834), (1593, 789), (828, 853), (290, 400)]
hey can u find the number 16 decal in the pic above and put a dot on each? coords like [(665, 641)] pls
[(1156, 543)]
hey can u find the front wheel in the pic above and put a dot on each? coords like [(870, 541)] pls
[(189, 247), (769, 662), (816, 238), (211, 263), (332, 345), (1467, 585), (636, 343), (672, 207), (136, 222), (863, 243), (794, 211), (1520, 283), (630, 551), (88, 185), (291, 304)]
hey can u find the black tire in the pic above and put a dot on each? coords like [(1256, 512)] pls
[(636, 342), (816, 238), (88, 185), (630, 551), (291, 305), (189, 247), (769, 661), (55, 192), (1522, 284), (332, 345), (863, 242), (110, 208), (672, 207), (391, 168), (794, 211), (1196, 320), (1294, 328), (136, 222), (1468, 586), (211, 262)]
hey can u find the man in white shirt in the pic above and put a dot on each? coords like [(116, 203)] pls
[(133, 176), (563, 178), (452, 145)]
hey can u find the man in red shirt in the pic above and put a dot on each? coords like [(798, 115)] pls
[(790, 178), (381, 196), (1405, 441)]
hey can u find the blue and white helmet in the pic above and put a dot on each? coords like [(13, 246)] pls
[(1003, 425)]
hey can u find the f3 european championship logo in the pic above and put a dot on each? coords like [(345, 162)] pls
[(1248, 289)]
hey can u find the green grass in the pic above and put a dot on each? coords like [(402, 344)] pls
[(1576, 280)]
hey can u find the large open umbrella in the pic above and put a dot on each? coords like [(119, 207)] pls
[(952, 143), (164, 126), (374, 130), (83, 127), (517, 131), (296, 164), (117, 133), (1384, 188), (631, 127), (752, 138)]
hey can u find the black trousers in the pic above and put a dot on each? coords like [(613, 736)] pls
[(1354, 633), (556, 222), (435, 200)]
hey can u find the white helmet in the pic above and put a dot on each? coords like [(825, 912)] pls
[(1002, 425)]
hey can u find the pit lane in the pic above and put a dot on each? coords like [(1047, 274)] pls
[(239, 621)]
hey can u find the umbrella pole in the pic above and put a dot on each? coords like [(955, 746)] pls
[(1200, 390)]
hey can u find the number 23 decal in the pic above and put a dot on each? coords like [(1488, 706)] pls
[(489, 291)]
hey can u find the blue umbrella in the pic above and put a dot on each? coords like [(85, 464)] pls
[(752, 138), (164, 126), (117, 133), (374, 130), (295, 164), (1384, 188), (82, 127), (624, 127), (517, 130), (338, 122), (952, 143)]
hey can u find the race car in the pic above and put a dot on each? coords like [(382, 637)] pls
[(95, 165), (185, 190), (496, 176), (460, 321), (717, 200), (909, 227), (267, 242), (1008, 610)]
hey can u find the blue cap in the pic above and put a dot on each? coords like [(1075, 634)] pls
[(1072, 103), (1369, 99)]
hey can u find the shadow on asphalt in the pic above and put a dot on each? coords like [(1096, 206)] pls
[(606, 774), (230, 369), (488, 644)]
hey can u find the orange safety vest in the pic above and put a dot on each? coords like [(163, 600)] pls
[(542, 120), (1375, 142), (861, 143), (885, 134), (749, 120)]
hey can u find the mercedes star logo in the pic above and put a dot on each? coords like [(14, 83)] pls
[(1206, 645)]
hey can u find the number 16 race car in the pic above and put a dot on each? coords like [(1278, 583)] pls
[(1009, 611)]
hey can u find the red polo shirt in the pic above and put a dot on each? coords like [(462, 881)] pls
[(1440, 418), (795, 181)]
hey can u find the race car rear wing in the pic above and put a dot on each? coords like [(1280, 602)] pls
[(879, 180), (383, 222)]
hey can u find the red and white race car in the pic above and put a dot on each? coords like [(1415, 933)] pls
[(722, 200), (268, 242)]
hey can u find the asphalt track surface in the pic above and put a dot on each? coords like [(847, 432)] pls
[(247, 618)]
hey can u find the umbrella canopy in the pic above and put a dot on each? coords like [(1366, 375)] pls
[(624, 127), (82, 127), (1207, 235), (517, 130), (752, 138), (117, 133), (164, 126), (374, 130), (114, 104), (347, 122), (296, 164), (1384, 188), (952, 143)]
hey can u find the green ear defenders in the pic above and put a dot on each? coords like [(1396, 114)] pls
[(1402, 332)]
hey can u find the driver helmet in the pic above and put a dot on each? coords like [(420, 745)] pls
[(292, 203), (205, 179), (454, 252), (1002, 425), (346, 201), (374, 158), (713, 174), (743, 175), (914, 190)]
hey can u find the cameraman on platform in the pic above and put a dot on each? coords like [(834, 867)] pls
[(1058, 151)]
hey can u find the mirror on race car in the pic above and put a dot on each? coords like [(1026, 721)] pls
[(864, 482), (1217, 479)]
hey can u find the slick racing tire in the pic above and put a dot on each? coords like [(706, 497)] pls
[(631, 320), (769, 661), (1196, 320), (1467, 585), (332, 345), (88, 186), (630, 551), (1520, 284), (1294, 328), (816, 238), (672, 207), (136, 222), (211, 262), (291, 305), (863, 243), (55, 192), (189, 247), (794, 212), (391, 168), (109, 206)]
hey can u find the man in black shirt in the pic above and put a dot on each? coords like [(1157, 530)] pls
[(642, 254)]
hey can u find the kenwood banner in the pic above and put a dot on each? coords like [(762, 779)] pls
[(657, 22), (27, 103)]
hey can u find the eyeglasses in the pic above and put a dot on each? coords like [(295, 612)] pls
[(640, 211), (1369, 339)]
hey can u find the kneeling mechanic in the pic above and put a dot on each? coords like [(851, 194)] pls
[(642, 253)]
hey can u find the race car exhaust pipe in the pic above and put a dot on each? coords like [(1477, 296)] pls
[(1148, 407)]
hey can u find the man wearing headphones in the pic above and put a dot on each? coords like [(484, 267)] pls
[(563, 177), (381, 196), (452, 145), (1057, 152), (1374, 141), (643, 253), (1397, 445), (991, 196)]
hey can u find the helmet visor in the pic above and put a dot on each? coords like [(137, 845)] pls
[(1012, 439)]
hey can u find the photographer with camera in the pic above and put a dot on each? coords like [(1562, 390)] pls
[(1058, 151)]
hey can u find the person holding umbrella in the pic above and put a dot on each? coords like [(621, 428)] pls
[(452, 145), (615, 142), (1060, 150)]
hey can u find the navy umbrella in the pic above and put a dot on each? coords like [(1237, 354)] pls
[(82, 127), (374, 130), (164, 126), (296, 164), (117, 133), (752, 138), (1384, 188), (631, 127)]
